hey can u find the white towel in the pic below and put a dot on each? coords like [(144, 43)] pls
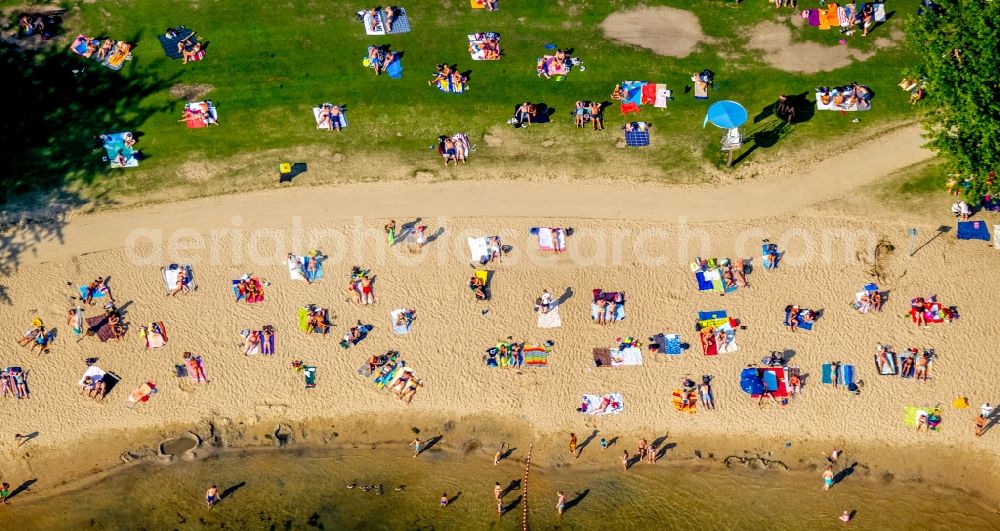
[(591, 404), (628, 356), (550, 319), (478, 248), (295, 265), (94, 372), (662, 95)]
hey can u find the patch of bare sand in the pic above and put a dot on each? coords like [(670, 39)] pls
[(664, 30), (775, 40)]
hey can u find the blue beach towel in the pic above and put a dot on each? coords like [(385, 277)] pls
[(846, 374), (318, 272), (170, 44), (637, 138), (83, 293), (802, 325), (395, 68), (672, 344), (714, 314), (115, 142), (973, 230), (770, 380)]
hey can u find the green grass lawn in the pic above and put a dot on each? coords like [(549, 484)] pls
[(269, 62)]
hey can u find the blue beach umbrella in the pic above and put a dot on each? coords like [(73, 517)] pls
[(726, 114)]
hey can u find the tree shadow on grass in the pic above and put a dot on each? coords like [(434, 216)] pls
[(64, 103)]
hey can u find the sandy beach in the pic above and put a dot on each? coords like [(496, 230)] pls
[(641, 243)]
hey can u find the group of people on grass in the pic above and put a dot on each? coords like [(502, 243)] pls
[(853, 95)]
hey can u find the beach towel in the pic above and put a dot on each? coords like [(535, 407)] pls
[(535, 356), (303, 320), (890, 367), (663, 95), (551, 318), (813, 17), (479, 249), (265, 346), (121, 52), (912, 414), (879, 12), (171, 272), (480, 43), (394, 70), (310, 376), (636, 138), (194, 118), (608, 357), (775, 381), (196, 369), (831, 106), (99, 294), (766, 258), (449, 86), (342, 118), (647, 94), (298, 268), (973, 230), (842, 18), (77, 325), (170, 43), (847, 375), (677, 400), (155, 334), (671, 344), (547, 243), (142, 393), (619, 314), (259, 297), (82, 45), (101, 327), (115, 143), (394, 318), (400, 25), (484, 276), (95, 373), (827, 378), (802, 324), (700, 89), (609, 404)]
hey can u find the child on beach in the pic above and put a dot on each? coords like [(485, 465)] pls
[(625, 461), (444, 499), (561, 502), (390, 231), (604, 443), (212, 496), (572, 445), (828, 478)]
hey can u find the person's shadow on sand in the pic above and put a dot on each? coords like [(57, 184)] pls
[(232, 490), (576, 500), (22, 488), (844, 474)]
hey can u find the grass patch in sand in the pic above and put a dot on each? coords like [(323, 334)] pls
[(268, 63)]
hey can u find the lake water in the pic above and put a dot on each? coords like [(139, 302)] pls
[(300, 489)]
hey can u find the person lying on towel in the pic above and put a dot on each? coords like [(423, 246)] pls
[(329, 115), (637, 126), (618, 94), (104, 50), (477, 287)]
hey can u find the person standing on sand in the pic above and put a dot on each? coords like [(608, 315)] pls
[(417, 446), (4, 493), (651, 454), (390, 231), (834, 456), (625, 461), (444, 499), (212, 496), (561, 502), (641, 448), (572, 445), (604, 443), (981, 423), (498, 492), (496, 458), (828, 478)]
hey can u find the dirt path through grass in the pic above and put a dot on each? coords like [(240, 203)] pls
[(835, 177)]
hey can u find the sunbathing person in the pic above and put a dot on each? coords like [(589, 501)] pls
[(411, 389), (401, 382), (329, 115), (917, 312), (883, 357), (367, 293), (876, 300), (580, 115), (491, 50), (129, 140), (496, 250), (193, 54), (120, 159), (794, 384), (596, 116), (115, 323), (793, 318), (41, 340), (457, 78), (618, 94), (104, 50), (740, 272), (122, 50), (352, 292), (729, 277), (29, 336), (824, 96), (477, 286), (922, 362), (448, 151), (602, 311), (353, 336), (182, 283), (525, 112), (443, 72), (391, 14), (194, 363), (373, 18)]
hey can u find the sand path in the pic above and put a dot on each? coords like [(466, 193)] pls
[(831, 178)]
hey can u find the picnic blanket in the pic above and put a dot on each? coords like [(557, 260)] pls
[(535, 356), (845, 106), (972, 230), (400, 25), (155, 334), (194, 116), (802, 324), (636, 138), (481, 43), (551, 318), (677, 400), (545, 240), (170, 43), (547, 65), (171, 272), (613, 357), (298, 268), (265, 346), (101, 327), (448, 85), (342, 118), (114, 143), (609, 404)]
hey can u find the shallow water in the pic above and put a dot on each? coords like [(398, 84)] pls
[(178, 446), (297, 489)]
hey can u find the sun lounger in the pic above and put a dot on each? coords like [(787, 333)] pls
[(155, 335), (115, 142), (342, 118), (551, 318), (677, 400), (394, 318), (546, 242), (142, 393), (973, 230), (636, 138), (609, 404), (169, 44), (309, 372)]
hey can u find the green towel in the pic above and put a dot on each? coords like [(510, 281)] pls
[(310, 373)]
